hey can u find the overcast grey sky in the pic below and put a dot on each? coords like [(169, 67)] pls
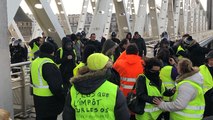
[(75, 6)]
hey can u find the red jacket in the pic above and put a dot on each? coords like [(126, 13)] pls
[(129, 67)]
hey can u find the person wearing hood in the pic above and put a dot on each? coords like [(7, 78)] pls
[(188, 101), (48, 93), (66, 59), (150, 86), (90, 97), (196, 52), (109, 48)]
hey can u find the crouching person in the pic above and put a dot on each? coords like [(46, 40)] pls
[(92, 97)]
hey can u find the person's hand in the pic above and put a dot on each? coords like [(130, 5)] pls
[(69, 57), (157, 101)]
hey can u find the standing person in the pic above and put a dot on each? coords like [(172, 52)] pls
[(94, 42), (109, 48), (83, 38), (34, 45), (150, 86), (90, 97), (48, 93), (50, 40), (207, 71), (66, 59), (17, 52), (196, 52), (78, 46), (113, 38), (129, 36), (129, 67), (139, 41), (188, 102), (124, 44)]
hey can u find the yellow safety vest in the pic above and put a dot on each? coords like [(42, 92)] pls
[(195, 108), (75, 70), (165, 76), (98, 105), (33, 50), (151, 111), (207, 78), (61, 55), (40, 86), (178, 50)]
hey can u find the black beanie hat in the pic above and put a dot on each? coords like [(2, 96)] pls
[(47, 47)]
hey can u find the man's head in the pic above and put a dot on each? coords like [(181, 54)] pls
[(136, 35), (113, 35), (78, 35), (47, 48), (132, 49), (93, 37), (209, 58)]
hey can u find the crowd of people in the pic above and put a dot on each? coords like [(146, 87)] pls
[(87, 79)]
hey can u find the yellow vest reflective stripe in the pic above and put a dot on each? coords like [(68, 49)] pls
[(75, 70), (178, 50), (33, 50), (194, 109), (152, 109), (207, 78), (98, 105), (127, 85), (40, 86)]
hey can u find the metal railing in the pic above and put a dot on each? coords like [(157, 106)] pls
[(22, 98)]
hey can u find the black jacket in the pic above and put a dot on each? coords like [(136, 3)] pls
[(18, 54), (87, 84), (141, 46), (96, 44), (50, 106), (66, 65), (141, 90), (197, 54), (208, 100)]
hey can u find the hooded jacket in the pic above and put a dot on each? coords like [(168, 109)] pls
[(87, 83), (67, 65), (186, 92), (128, 66)]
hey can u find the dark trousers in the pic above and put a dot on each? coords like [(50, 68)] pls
[(46, 118)]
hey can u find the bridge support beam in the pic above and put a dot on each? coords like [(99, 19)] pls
[(63, 16), (108, 22), (170, 25), (141, 17), (99, 18), (14, 31), (122, 20), (154, 19), (163, 16), (46, 19), (6, 100), (186, 12), (83, 15)]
